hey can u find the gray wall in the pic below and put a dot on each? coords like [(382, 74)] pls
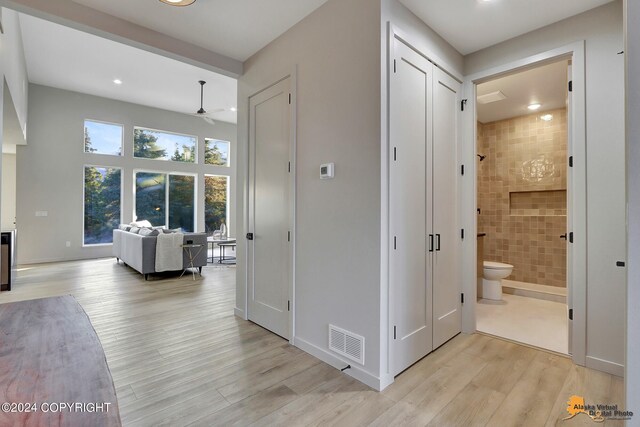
[(632, 54), (337, 53), (51, 168), (602, 30)]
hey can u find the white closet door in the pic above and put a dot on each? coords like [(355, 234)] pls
[(410, 207), (446, 283), (268, 252)]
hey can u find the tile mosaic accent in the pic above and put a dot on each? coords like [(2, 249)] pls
[(522, 187)]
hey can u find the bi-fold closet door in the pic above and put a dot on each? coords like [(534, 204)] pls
[(423, 215)]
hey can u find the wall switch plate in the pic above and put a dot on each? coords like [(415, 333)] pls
[(68, 244), (327, 171)]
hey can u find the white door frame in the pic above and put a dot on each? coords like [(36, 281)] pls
[(577, 271), (292, 198)]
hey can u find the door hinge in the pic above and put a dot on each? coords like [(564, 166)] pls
[(570, 161), (394, 242), (249, 236), (288, 305), (571, 237), (288, 236), (394, 332), (620, 264), (462, 234), (395, 154), (289, 99), (289, 167), (571, 86), (461, 169), (462, 298), (571, 314), (462, 104), (394, 66)]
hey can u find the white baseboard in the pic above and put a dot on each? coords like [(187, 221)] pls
[(339, 363), (605, 366), (239, 313)]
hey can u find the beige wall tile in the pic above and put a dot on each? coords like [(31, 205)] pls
[(522, 195)]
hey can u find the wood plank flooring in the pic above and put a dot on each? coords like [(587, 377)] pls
[(180, 357)]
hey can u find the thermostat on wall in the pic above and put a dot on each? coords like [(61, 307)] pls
[(326, 171)]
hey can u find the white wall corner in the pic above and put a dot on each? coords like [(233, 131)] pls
[(337, 362), (238, 312)]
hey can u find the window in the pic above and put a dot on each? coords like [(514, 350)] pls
[(166, 199), (216, 152), (216, 190), (102, 195), (153, 144), (102, 138)]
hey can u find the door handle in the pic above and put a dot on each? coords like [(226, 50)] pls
[(249, 236), (564, 236), (437, 242), (430, 242)]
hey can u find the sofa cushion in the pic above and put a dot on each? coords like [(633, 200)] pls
[(125, 227), (134, 230), (148, 232)]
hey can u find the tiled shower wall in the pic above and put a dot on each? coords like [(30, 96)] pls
[(522, 186)]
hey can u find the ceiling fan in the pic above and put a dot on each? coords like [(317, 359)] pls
[(202, 112)]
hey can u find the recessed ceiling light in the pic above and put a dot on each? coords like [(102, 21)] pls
[(234, 109), (547, 117), (117, 81), (178, 2), (534, 107)]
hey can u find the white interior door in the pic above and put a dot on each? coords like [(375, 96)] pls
[(447, 314), (269, 258), (410, 207)]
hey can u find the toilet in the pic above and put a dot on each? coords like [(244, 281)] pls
[(492, 275)]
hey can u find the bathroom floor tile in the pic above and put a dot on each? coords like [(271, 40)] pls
[(530, 321)]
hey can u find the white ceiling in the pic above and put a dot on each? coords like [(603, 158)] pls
[(69, 59), (235, 28), (471, 25), (546, 85)]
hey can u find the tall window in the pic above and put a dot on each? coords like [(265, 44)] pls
[(102, 194), (166, 199), (153, 144), (102, 138), (216, 152), (216, 190)]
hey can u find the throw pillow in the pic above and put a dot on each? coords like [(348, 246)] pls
[(141, 224), (148, 232), (134, 230)]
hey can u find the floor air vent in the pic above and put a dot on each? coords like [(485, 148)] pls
[(346, 344)]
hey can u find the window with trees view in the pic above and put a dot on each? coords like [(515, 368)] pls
[(153, 144), (216, 189), (216, 152), (102, 138), (166, 199), (102, 195)]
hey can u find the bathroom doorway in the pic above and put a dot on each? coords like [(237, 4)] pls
[(523, 190)]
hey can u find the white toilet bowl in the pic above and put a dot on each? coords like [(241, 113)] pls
[(493, 273)]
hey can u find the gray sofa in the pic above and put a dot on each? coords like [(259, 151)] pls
[(139, 252)]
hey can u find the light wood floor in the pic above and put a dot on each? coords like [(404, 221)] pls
[(178, 356)]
